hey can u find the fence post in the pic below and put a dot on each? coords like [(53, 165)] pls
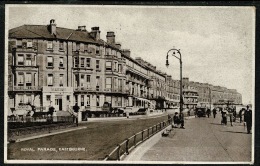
[(156, 127), (118, 152), (126, 146), (148, 132), (142, 135), (135, 139)]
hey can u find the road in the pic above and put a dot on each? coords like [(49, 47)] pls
[(204, 139)]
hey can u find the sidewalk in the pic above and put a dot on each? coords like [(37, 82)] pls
[(202, 140)]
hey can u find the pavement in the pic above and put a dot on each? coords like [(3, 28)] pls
[(202, 140)]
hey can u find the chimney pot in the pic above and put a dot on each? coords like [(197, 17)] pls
[(52, 27), (95, 33), (111, 37)]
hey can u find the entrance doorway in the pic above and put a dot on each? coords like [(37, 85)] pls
[(60, 104)]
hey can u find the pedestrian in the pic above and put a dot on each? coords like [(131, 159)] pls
[(175, 120), (214, 112), (234, 114), (208, 112), (75, 115), (240, 114), (189, 112), (181, 119), (230, 112), (169, 118), (248, 119)]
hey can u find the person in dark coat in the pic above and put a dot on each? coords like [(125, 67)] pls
[(248, 119), (181, 119), (208, 112), (175, 119), (76, 110), (214, 112)]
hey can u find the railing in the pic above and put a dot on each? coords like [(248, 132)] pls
[(130, 143), (29, 88), (84, 88), (21, 126)]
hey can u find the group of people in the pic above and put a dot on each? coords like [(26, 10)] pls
[(178, 119), (232, 114)]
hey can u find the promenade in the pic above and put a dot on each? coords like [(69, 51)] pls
[(203, 140)]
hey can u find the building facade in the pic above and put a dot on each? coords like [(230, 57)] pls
[(54, 66)]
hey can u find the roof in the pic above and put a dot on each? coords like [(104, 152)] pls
[(42, 32)]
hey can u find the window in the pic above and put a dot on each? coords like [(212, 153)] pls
[(97, 83), (108, 66), (49, 45), (88, 100), (88, 79), (115, 83), (76, 98), (120, 85), (28, 99), (115, 66), (61, 79), (98, 101), (61, 45), (82, 100), (108, 83), (20, 59), (88, 62), (68, 98), (82, 77), (119, 100), (28, 79), (20, 79), (108, 99), (50, 61), (119, 68), (61, 61), (48, 97), (76, 63), (97, 64), (82, 60), (19, 43), (28, 61), (85, 47), (97, 50), (77, 46), (20, 98), (29, 44), (50, 80)]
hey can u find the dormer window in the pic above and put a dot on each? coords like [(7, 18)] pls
[(49, 45), (77, 46), (61, 46), (29, 44), (19, 43)]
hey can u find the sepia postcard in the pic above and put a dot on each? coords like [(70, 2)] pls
[(129, 84)]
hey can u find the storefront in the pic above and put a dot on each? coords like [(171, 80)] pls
[(58, 97)]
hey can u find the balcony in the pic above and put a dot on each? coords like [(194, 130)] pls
[(27, 88), (25, 49), (111, 57), (84, 89)]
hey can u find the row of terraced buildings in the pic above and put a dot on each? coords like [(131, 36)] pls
[(54, 66)]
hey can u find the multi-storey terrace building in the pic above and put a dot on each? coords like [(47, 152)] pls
[(54, 66)]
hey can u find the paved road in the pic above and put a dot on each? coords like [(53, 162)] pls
[(204, 139)]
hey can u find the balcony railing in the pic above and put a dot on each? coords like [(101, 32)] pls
[(89, 89), (26, 88)]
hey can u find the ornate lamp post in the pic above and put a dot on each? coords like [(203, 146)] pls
[(174, 51)]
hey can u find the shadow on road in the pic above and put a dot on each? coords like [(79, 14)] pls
[(215, 124), (241, 132)]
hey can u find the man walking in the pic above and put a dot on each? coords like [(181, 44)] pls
[(214, 112), (76, 110), (181, 118), (248, 119)]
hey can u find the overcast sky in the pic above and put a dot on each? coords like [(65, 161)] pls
[(217, 44)]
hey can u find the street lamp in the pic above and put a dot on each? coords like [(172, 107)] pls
[(174, 51)]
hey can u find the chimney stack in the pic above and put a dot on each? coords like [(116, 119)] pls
[(126, 52), (118, 46), (82, 28), (53, 27), (95, 33), (111, 37)]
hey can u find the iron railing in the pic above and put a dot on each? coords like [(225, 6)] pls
[(130, 143)]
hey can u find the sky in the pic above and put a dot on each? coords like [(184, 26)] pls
[(216, 43)]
